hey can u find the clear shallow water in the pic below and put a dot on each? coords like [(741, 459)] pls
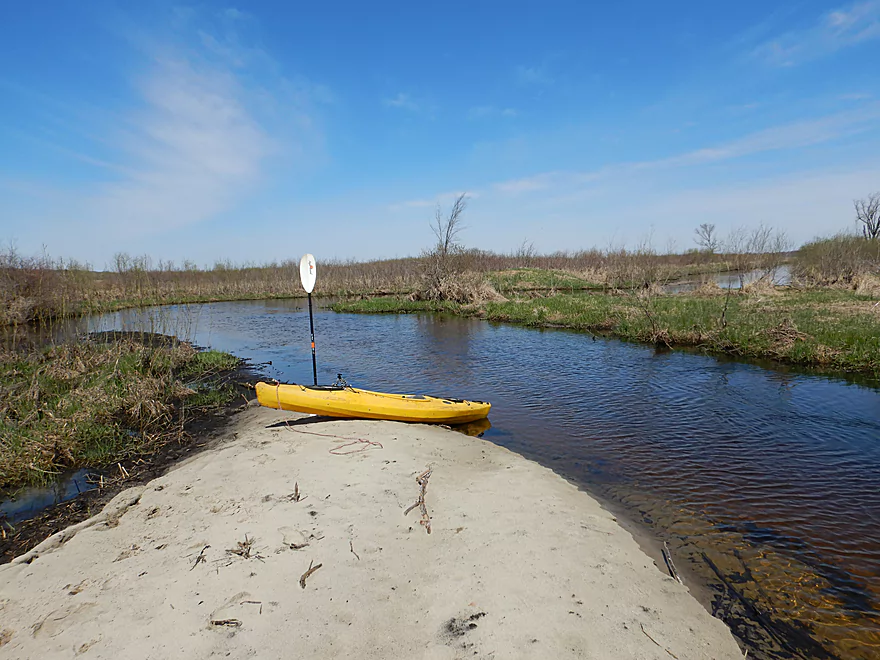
[(766, 483)]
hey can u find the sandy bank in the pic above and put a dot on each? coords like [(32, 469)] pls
[(519, 562)]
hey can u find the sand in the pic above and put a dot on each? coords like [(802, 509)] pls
[(207, 560)]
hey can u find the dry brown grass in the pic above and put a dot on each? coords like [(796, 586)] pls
[(710, 289), (867, 284), (42, 289), (464, 289), (88, 403)]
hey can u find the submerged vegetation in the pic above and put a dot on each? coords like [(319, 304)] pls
[(95, 402)]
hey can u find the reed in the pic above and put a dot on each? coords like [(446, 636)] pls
[(40, 289), (90, 403)]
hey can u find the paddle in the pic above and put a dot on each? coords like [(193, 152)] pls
[(308, 274)]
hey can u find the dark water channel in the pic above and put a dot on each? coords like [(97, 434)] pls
[(764, 482)]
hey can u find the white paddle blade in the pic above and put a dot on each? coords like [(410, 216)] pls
[(307, 272)]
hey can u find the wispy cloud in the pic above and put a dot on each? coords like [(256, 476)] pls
[(192, 149), (432, 202), (402, 100), (788, 136), (234, 14), (488, 111), (834, 30), (207, 118), (795, 135), (545, 181), (532, 75)]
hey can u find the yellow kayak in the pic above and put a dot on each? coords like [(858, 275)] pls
[(353, 403)]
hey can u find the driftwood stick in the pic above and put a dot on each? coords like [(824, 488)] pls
[(200, 558), (302, 580), (655, 641), (422, 480), (667, 557), (351, 547), (411, 508)]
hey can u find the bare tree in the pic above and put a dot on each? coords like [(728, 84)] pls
[(443, 262), (868, 213), (706, 237), (447, 228)]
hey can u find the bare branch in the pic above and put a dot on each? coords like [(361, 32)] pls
[(706, 237), (868, 213)]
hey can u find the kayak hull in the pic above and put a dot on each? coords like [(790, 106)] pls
[(352, 403)]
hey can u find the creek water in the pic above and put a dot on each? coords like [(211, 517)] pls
[(781, 276), (764, 482)]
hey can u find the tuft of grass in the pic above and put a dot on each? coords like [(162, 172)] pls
[(93, 403), (209, 361)]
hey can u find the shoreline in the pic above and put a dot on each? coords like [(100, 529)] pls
[(494, 514), (783, 326)]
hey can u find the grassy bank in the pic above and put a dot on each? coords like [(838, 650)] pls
[(96, 402), (834, 329), (40, 289)]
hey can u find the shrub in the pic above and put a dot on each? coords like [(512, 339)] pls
[(841, 259)]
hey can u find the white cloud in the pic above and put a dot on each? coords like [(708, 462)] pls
[(788, 136), (532, 75), (487, 111), (192, 150), (841, 28), (234, 14), (432, 202), (209, 123), (402, 100), (545, 181)]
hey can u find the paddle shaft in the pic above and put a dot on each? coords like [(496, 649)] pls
[(312, 328)]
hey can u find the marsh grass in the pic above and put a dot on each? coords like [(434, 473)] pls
[(835, 329), (42, 289), (90, 403)]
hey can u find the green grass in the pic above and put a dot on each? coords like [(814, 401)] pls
[(209, 361), (828, 328), (536, 279), (92, 403)]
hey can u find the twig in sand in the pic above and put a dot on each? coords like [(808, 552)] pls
[(200, 558), (667, 557), (297, 546), (253, 602), (422, 480), (351, 547), (655, 641), (233, 623), (302, 580), (243, 549), (296, 496)]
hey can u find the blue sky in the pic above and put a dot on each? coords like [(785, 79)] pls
[(260, 131)]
